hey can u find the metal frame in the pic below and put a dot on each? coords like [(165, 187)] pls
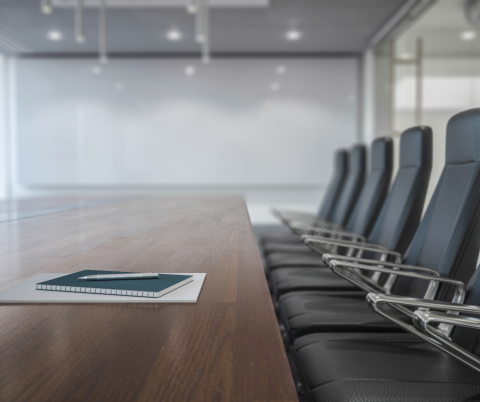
[(312, 230), (314, 242), (424, 322), (344, 269)]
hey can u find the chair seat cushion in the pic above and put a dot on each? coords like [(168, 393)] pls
[(287, 279), (360, 363), (285, 241), (307, 312), (299, 248), (283, 235), (308, 259)]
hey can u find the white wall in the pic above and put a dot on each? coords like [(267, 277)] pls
[(143, 124)]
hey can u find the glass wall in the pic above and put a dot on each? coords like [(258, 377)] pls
[(428, 73)]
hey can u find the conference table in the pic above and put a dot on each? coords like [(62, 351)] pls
[(226, 347)]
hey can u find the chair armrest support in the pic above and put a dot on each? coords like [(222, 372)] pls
[(430, 323), (328, 258)]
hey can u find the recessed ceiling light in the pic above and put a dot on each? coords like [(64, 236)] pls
[(468, 35), (191, 9), (118, 86), (281, 70), (174, 35), (293, 35), (190, 71), (54, 35), (274, 86), (96, 70)]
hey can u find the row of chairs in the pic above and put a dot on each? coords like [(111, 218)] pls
[(375, 302)]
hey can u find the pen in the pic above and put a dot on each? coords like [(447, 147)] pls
[(146, 275)]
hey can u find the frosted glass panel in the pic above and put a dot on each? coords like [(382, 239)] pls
[(147, 122)]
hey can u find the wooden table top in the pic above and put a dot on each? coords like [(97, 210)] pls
[(227, 347)]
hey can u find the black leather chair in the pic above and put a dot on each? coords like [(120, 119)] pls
[(430, 363), (303, 312), (344, 204), (392, 367), (329, 203), (366, 207), (365, 214)]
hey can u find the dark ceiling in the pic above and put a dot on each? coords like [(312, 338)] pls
[(327, 26)]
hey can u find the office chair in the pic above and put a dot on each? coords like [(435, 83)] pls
[(366, 209), (303, 312), (345, 202), (391, 367)]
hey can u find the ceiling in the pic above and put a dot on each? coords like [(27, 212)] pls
[(327, 26)]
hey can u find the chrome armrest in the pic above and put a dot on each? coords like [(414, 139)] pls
[(326, 230), (432, 326), (375, 300), (430, 323), (331, 257), (310, 241), (342, 268)]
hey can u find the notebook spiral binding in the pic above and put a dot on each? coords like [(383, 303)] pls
[(118, 292)]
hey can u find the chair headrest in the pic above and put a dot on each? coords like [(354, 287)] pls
[(416, 147), (357, 157), (463, 137), (341, 160), (382, 153)]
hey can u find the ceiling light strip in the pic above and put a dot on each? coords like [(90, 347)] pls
[(79, 34), (102, 32)]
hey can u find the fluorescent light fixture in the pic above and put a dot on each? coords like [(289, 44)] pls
[(468, 35), (54, 35), (293, 35), (118, 86), (275, 86), (281, 70), (173, 34), (97, 70), (190, 71)]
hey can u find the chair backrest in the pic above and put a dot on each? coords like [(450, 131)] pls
[(401, 212), (352, 187), (448, 238), (333, 191), (375, 189)]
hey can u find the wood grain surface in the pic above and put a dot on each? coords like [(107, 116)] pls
[(227, 347)]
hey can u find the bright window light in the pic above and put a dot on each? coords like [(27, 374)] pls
[(174, 35), (54, 35), (406, 55), (293, 35), (468, 35), (281, 70)]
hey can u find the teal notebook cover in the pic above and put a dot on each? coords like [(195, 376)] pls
[(124, 287)]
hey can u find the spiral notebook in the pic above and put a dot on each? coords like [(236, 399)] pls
[(165, 283)]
